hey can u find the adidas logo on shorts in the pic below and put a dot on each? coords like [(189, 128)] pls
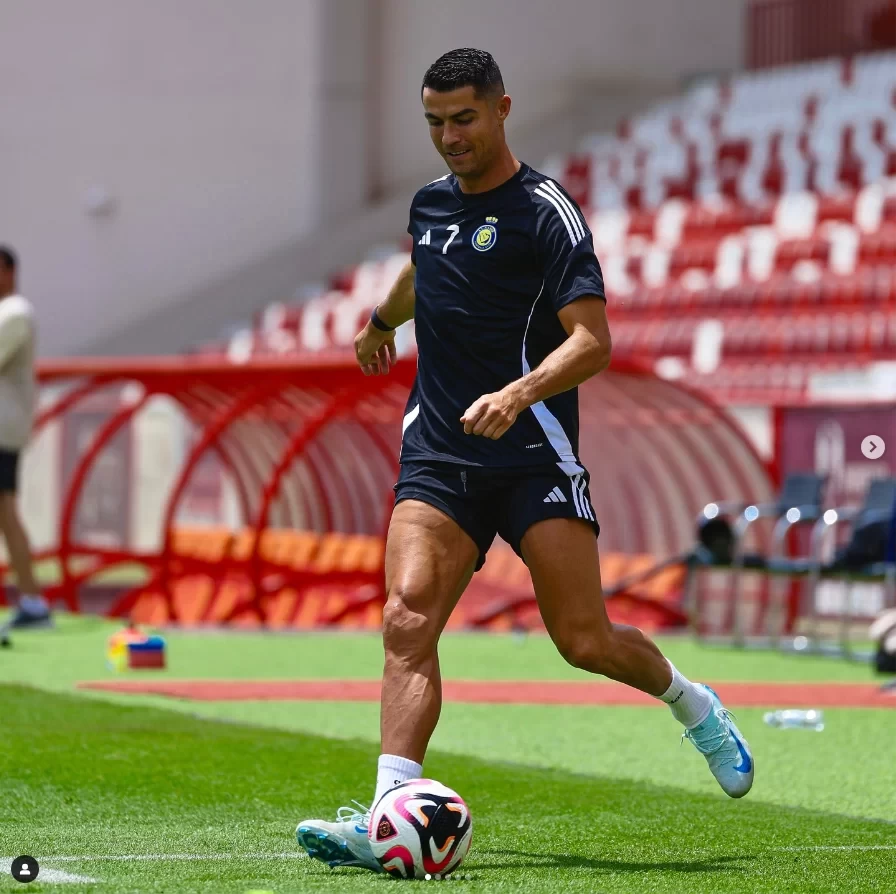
[(579, 499)]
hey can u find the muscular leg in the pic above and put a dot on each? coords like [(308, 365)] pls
[(563, 560), (17, 544), (562, 557), (429, 562)]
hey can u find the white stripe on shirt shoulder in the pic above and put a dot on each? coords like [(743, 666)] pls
[(564, 214), (438, 179), (578, 223)]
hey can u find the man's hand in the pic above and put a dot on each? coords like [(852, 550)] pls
[(492, 414), (375, 350)]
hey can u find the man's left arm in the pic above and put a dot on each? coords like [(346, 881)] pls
[(584, 353)]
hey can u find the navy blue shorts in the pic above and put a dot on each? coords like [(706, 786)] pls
[(485, 501), (9, 471)]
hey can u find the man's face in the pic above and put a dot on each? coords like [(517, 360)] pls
[(468, 132), (7, 279)]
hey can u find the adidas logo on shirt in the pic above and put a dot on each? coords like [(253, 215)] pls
[(425, 239), (555, 496)]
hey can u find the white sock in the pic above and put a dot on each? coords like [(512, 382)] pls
[(690, 703), (392, 770), (34, 604)]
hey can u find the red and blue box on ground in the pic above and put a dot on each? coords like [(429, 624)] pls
[(131, 649)]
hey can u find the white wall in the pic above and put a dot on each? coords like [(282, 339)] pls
[(199, 117), (547, 51)]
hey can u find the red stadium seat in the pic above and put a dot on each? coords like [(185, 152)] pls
[(693, 255), (577, 178), (759, 201), (850, 168), (642, 223), (839, 207), (794, 250)]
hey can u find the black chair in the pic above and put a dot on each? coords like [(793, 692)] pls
[(722, 529), (868, 556), (722, 525)]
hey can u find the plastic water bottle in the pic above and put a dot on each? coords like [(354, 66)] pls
[(796, 719)]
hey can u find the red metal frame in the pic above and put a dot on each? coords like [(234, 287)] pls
[(79, 478), (342, 402), (191, 409), (263, 417)]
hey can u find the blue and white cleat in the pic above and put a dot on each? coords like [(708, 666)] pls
[(30, 619), (725, 749), (343, 843)]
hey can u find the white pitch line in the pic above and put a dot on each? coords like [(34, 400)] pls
[(57, 876), (291, 855), (837, 847), (54, 876)]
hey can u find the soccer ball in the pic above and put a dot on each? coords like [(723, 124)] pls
[(420, 828)]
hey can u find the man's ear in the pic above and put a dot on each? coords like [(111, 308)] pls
[(502, 107)]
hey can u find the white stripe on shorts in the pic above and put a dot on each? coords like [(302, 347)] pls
[(584, 498)]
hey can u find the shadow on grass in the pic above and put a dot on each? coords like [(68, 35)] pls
[(525, 860)]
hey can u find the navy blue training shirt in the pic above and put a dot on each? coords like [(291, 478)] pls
[(493, 269)]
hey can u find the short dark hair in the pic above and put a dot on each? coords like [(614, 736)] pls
[(465, 67), (8, 258)]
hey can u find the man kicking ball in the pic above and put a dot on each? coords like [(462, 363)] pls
[(508, 302)]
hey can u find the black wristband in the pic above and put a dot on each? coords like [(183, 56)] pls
[(379, 324)]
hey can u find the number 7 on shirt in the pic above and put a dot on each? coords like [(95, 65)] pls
[(455, 229)]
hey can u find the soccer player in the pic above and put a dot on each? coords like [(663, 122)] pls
[(508, 302), (17, 395)]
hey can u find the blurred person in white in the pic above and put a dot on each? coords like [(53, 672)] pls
[(17, 399)]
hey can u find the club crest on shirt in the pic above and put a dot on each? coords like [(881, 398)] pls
[(486, 236)]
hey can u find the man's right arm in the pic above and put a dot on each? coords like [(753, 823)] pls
[(374, 348)]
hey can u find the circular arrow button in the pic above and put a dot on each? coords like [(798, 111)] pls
[(873, 447)]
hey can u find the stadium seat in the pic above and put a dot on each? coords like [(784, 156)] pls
[(764, 193), (348, 553), (203, 544), (287, 548)]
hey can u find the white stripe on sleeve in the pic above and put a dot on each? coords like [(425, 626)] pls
[(577, 223), (573, 234)]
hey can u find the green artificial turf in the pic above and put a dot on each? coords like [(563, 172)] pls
[(76, 651), (565, 798), (847, 768), (83, 778)]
